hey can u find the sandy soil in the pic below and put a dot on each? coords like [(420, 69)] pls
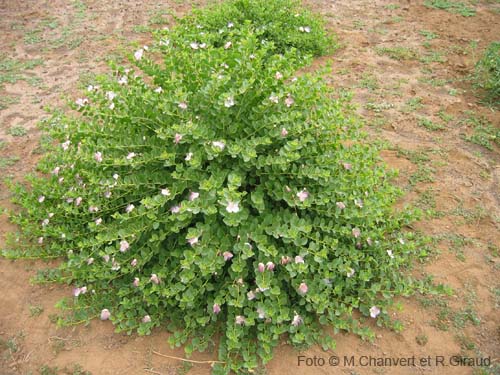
[(455, 180)]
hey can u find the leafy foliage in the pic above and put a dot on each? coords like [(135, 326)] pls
[(487, 74), (213, 192)]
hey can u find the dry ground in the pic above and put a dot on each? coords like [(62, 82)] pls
[(408, 67)]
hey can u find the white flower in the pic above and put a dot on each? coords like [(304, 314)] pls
[(303, 195), (351, 272), (301, 28), (229, 102), (164, 42), (218, 144), (274, 98), (391, 255), (188, 157), (154, 278), (194, 45), (165, 192), (233, 207), (98, 157), (193, 195), (297, 320), (65, 145), (78, 201), (41, 198), (107, 194), (136, 282), (250, 295), (228, 45), (340, 205), (110, 95), (146, 319), (240, 320), (81, 102), (133, 263), (307, 29), (158, 90), (289, 101), (261, 313), (230, 24), (40, 240), (299, 259), (374, 311), (112, 106), (93, 209), (98, 221), (278, 75), (356, 232), (116, 176), (56, 171), (123, 80), (131, 155), (90, 261), (91, 88), (129, 208), (138, 54), (193, 241)]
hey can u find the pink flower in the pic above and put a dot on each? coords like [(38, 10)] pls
[(356, 232), (278, 75), (154, 278), (284, 132), (130, 207), (194, 195), (93, 209), (289, 101), (146, 319), (98, 157), (193, 241), (285, 260), (41, 198), (270, 266), (233, 207), (105, 314), (138, 54), (251, 295), (131, 155), (165, 192), (133, 263), (261, 267), (347, 166), (183, 105), (297, 320), (303, 195), (56, 171), (78, 201), (299, 259), (81, 102), (105, 258), (303, 288), (340, 205), (107, 194), (124, 245), (175, 209), (177, 138), (240, 320), (227, 255), (216, 308), (135, 282), (374, 311)]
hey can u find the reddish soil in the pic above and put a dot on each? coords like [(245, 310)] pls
[(459, 180)]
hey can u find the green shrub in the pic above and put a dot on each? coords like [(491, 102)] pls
[(219, 196), (487, 73)]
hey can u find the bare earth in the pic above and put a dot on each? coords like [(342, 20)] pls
[(455, 180)]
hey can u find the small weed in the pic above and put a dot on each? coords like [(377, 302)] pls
[(424, 174), (17, 131), (418, 157), (8, 161), (457, 243), (46, 370), (451, 6), (429, 35), (453, 92), (484, 133), (430, 125), (412, 105), (427, 202), (397, 53), (12, 70), (465, 342), (185, 368), (36, 310), (141, 29), (471, 216), (378, 107), (435, 82), (421, 339), (369, 81), (391, 6), (431, 57), (6, 101), (444, 116), (32, 36)]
